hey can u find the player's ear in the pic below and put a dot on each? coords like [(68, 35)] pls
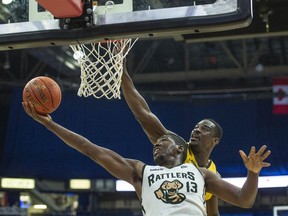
[(181, 148), (216, 140)]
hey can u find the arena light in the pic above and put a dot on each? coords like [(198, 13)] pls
[(18, 183), (40, 206), (123, 186), (81, 184), (264, 182), (25, 200), (78, 55), (6, 2)]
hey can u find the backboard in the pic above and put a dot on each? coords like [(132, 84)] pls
[(26, 24), (280, 210)]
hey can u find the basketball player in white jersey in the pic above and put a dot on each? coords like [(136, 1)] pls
[(199, 150), (172, 187)]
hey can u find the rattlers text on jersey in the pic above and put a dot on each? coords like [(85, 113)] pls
[(175, 191), (190, 158)]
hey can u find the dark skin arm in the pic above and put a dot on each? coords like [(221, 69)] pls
[(212, 206), (122, 168), (150, 123)]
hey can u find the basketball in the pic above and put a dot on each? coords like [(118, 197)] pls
[(44, 93)]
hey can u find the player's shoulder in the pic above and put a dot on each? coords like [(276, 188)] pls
[(211, 166), (168, 132)]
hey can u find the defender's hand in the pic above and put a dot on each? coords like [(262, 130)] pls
[(254, 162)]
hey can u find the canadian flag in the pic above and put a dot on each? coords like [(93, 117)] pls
[(280, 95)]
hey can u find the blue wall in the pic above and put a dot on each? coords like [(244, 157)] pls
[(32, 151)]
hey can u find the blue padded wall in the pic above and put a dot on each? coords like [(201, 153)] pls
[(32, 151)]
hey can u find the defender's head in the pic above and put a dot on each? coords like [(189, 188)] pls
[(205, 135)]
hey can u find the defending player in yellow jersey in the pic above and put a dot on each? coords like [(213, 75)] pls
[(204, 136)]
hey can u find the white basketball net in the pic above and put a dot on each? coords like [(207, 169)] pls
[(102, 67)]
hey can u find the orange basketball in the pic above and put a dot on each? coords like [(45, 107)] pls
[(44, 93)]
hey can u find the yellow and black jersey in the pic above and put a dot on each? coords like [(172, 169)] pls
[(190, 158)]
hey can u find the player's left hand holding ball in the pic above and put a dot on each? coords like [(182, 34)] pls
[(30, 110)]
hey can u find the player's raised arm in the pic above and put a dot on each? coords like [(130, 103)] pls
[(243, 197), (122, 168), (149, 122)]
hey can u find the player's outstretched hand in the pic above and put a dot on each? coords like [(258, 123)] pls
[(30, 110), (254, 162)]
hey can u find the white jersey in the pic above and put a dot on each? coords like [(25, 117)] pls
[(177, 191)]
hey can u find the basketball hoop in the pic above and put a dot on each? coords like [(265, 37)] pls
[(101, 67)]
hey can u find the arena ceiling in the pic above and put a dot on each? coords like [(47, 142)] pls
[(237, 63)]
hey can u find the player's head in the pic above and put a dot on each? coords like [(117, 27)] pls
[(206, 134), (170, 150)]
